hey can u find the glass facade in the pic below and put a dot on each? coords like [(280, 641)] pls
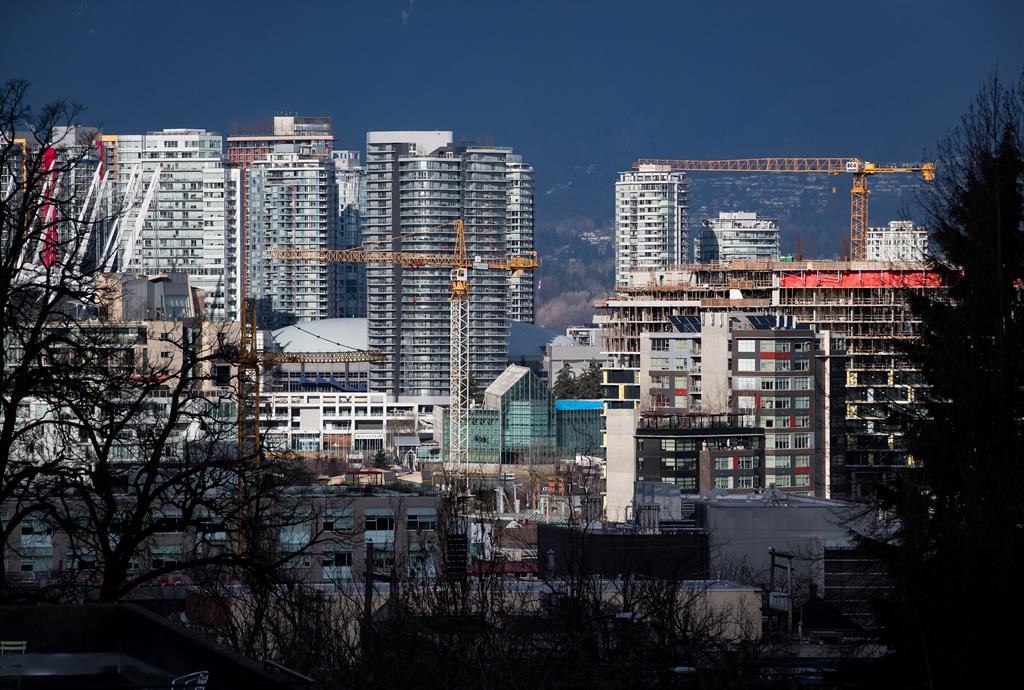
[(293, 203), (521, 425)]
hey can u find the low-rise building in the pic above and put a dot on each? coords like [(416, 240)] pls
[(521, 423), (737, 236), (328, 538), (346, 426), (700, 452), (898, 242)]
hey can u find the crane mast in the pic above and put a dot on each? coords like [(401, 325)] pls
[(251, 360), (459, 262), (840, 165)]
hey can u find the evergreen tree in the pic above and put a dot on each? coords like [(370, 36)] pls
[(959, 518), (565, 383), (588, 385)]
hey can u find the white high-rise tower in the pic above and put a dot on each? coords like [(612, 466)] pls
[(650, 221)]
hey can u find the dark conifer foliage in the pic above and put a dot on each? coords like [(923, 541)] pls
[(960, 516)]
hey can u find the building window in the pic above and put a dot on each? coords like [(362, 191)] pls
[(802, 441), (686, 464), (659, 344), (167, 521), (383, 559), (783, 480), (165, 555), (802, 479), (745, 365), (338, 520), (723, 482), (803, 460), (746, 345), (800, 365), (418, 519), (749, 462), (681, 482), (668, 444), (802, 402), (745, 482), (380, 520), (744, 383), (337, 558), (723, 464)]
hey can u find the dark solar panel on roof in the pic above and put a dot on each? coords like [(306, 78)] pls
[(685, 324), (762, 321)]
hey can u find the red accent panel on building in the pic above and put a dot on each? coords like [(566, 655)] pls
[(775, 355), (680, 391), (802, 470), (854, 279), (49, 254)]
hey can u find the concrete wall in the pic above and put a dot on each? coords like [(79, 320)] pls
[(621, 468), (741, 532), (714, 342)]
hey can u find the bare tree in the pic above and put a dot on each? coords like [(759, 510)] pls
[(118, 432), (47, 284)]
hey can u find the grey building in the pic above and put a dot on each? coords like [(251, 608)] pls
[(900, 241), (417, 184), (350, 177), (770, 372), (292, 203), (738, 236), (774, 388)]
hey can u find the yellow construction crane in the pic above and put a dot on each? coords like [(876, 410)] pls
[(833, 166), (459, 262), (251, 360)]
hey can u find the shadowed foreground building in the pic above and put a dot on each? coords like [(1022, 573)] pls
[(122, 646)]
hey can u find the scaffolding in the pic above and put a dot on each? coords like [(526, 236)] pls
[(865, 302)]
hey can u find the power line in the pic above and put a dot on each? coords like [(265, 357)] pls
[(317, 335)]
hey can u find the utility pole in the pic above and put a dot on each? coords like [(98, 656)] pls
[(788, 557), (367, 594)]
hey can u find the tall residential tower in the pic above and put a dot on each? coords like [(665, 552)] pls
[(192, 224), (650, 221), (257, 142), (292, 203), (520, 237), (350, 177), (417, 184)]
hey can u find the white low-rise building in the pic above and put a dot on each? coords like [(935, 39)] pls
[(348, 426)]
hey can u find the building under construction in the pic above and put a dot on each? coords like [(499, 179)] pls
[(863, 301)]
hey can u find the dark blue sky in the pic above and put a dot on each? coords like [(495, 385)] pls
[(581, 88)]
